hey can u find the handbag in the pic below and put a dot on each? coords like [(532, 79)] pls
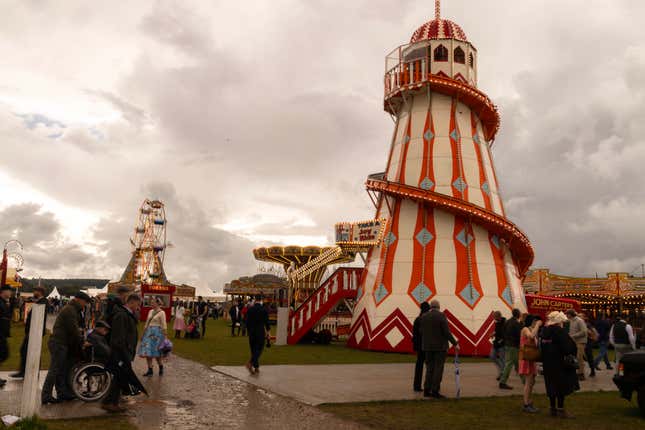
[(593, 334), (530, 352), (570, 361)]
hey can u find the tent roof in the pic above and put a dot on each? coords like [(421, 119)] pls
[(54, 294)]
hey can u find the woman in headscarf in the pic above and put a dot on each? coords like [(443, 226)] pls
[(558, 355)]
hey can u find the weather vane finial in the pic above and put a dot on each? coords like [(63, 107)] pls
[(437, 9)]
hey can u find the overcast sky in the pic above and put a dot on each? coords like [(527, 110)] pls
[(257, 122)]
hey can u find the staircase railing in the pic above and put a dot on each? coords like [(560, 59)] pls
[(342, 284)]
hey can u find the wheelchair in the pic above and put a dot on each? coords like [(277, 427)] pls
[(90, 380)]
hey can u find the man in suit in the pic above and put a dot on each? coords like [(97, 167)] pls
[(39, 299), (257, 324), (435, 335), (5, 324)]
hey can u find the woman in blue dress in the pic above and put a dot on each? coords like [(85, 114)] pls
[(153, 335)]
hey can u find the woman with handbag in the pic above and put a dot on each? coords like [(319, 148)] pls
[(559, 363), (153, 335), (529, 355)]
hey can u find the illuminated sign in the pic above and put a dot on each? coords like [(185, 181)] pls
[(160, 288), (360, 232)]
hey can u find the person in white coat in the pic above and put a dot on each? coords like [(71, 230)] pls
[(180, 323)]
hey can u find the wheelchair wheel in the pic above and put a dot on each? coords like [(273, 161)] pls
[(90, 381)]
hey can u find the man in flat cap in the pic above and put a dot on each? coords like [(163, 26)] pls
[(38, 299), (113, 303), (64, 346), (98, 341)]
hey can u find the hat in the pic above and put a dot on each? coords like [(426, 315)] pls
[(39, 288), (6, 288), (101, 323), (123, 289), (425, 307), (82, 296), (556, 317)]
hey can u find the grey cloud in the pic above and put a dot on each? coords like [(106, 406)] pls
[(45, 249), (228, 109)]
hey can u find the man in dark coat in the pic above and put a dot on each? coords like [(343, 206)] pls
[(512, 330), (39, 299), (123, 344), (5, 324), (602, 327), (497, 350), (435, 335), (257, 323), (114, 302), (416, 345), (236, 314), (64, 345), (202, 310)]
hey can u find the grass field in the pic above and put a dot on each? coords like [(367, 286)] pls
[(593, 411), (102, 423), (219, 348), (13, 362)]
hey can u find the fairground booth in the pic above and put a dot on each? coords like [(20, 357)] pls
[(272, 288), (616, 294)]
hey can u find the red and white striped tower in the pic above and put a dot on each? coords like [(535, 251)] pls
[(447, 236)]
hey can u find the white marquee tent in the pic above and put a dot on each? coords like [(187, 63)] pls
[(54, 294)]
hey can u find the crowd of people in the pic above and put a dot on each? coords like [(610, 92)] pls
[(113, 340), (562, 345), (189, 318), (560, 348)]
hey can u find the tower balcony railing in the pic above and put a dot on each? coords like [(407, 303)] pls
[(413, 63)]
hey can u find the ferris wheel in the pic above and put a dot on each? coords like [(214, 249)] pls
[(13, 250), (149, 242)]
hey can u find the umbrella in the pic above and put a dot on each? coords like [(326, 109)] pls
[(457, 384), (127, 379), (130, 384)]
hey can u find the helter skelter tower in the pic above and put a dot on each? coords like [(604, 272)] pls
[(447, 236)]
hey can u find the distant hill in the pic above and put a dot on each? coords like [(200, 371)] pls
[(66, 287)]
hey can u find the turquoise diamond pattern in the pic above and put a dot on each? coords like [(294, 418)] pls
[(406, 139), (486, 188), (460, 184), (476, 138), (470, 294), (454, 135), (380, 293), (359, 293), (495, 240), (389, 239), (421, 293), (506, 296), (428, 135), (426, 184), (464, 238), (424, 237)]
